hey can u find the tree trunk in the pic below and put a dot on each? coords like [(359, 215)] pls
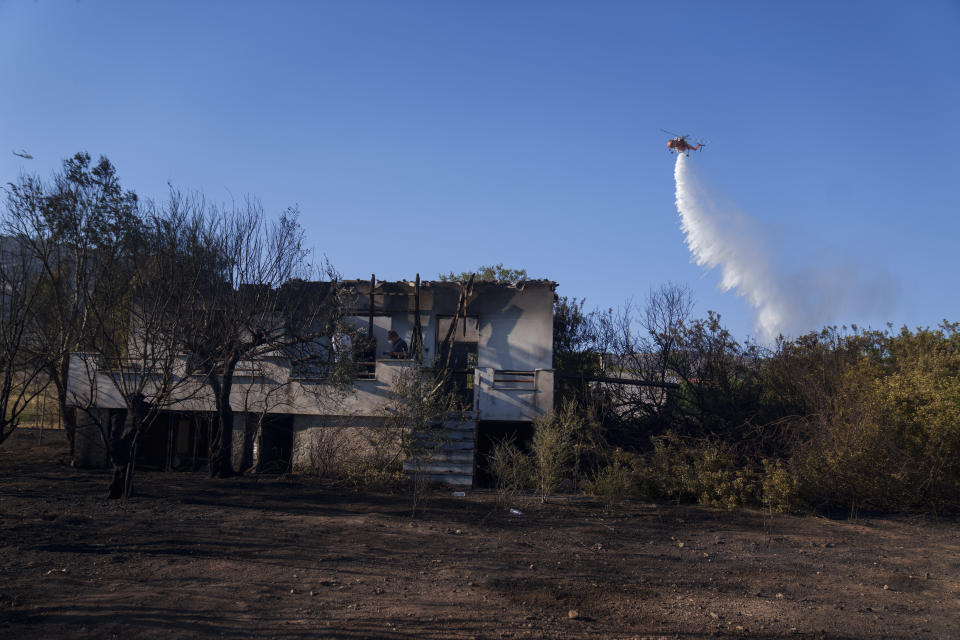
[(67, 418), (6, 428), (123, 447), (221, 463), (118, 481)]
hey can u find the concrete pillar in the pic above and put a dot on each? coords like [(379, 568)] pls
[(236, 455), (89, 449)]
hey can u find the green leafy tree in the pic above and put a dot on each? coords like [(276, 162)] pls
[(490, 273), (69, 229), (23, 369), (577, 346)]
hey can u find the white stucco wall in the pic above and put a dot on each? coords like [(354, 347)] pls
[(516, 328), (505, 400)]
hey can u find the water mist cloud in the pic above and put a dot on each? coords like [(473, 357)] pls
[(786, 299)]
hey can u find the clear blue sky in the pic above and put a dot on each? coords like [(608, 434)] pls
[(436, 136)]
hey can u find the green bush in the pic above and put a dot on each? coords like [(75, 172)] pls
[(886, 436), (701, 471), (780, 488)]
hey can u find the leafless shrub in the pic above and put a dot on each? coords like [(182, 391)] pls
[(511, 469), (328, 452), (552, 448), (611, 483)]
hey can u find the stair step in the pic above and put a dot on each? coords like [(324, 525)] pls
[(444, 446), (464, 427), (440, 469), (453, 480), (444, 435), (444, 455), (459, 456)]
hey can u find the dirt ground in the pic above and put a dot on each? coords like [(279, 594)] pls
[(191, 557)]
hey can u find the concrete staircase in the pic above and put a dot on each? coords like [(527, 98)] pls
[(444, 455)]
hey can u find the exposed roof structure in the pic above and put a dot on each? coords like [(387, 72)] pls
[(406, 286)]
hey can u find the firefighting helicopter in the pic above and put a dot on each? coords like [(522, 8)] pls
[(679, 144)]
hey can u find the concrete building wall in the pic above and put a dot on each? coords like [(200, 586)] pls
[(89, 449), (271, 391), (514, 333), (513, 397), (516, 328)]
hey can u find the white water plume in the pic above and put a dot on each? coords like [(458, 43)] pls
[(785, 300)]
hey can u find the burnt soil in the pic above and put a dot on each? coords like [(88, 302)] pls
[(290, 557)]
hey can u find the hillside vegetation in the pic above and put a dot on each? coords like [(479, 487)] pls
[(843, 418)]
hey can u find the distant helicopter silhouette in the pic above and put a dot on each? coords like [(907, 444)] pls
[(23, 154)]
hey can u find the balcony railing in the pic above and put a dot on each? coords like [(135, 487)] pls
[(515, 380), (506, 394)]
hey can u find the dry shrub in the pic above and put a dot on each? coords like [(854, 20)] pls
[(365, 457), (552, 448), (371, 475), (329, 452), (421, 403), (422, 448), (511, 468), (377, 465), (614, 482)]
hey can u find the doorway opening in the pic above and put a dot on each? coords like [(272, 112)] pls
[(489, 434), (276, 443)]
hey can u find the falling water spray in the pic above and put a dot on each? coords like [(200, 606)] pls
[(787, 299), (720, 236)]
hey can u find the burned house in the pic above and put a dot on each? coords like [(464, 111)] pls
[(495, 339)]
